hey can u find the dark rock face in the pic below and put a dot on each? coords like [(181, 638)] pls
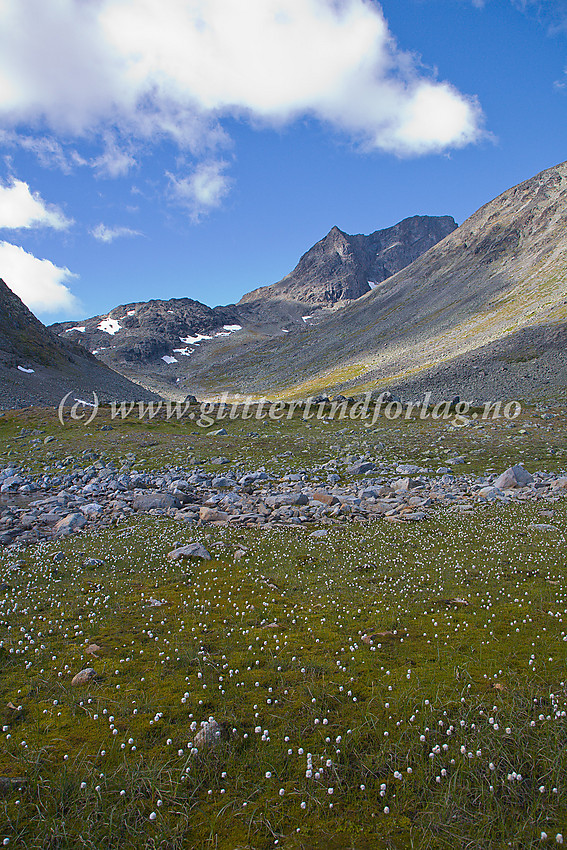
[(342, 267), (144, 331), (38, 367)]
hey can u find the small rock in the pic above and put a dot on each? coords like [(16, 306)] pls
[(208, 735), (84, 676), (211, 515)]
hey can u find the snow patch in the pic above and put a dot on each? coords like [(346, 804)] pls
[(167, 359), (194, 340), (232, 328), (110, 326), (284, 331), (131, 313), (81, 329), (27, 371), (306, 318), (185, 352)]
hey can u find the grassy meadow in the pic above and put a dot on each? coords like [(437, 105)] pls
[(384, 686)]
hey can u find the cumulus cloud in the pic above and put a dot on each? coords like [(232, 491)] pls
[(39, 283), (203, 190), (109, 234), (174, 68), (20, 208)]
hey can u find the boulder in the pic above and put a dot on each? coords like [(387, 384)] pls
[(402, 484), (150, 501), (70, 523), (211, 515), (407, 469), (93, 509), (221, 482), (515, 476), (361, 467), (191, 550), (325, 498)]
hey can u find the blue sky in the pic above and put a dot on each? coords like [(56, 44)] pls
[(169, 148)]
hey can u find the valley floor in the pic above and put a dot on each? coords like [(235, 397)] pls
[(367, 679)]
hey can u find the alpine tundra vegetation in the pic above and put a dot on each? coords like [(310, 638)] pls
[(318, 635)]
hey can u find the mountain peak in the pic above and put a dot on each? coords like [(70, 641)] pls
[(339, 266)]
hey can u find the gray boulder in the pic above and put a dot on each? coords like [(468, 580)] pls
[(150, 501), (515, 476), (70, 523), (191, 550), (361, 467)]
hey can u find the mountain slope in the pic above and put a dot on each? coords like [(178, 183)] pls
[(38, 368), (503, 271), (163, 344)]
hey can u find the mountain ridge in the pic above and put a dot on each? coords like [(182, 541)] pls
[(143, 340)]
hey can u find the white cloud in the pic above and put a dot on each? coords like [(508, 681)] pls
[(114, 161), (203, 190), (39, 283), (109, 234), (174, 68), (20, 208)]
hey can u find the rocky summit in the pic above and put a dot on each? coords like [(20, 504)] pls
[(342, 267)]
